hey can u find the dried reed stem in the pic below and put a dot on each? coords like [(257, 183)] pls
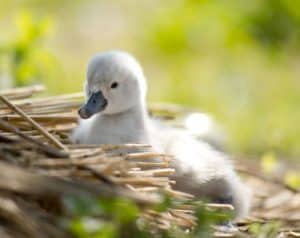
[(33, 123)]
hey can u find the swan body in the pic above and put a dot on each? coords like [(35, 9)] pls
[(115, 113)]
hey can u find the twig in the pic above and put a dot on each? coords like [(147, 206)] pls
[(33, 123), (24, 92), (256, 174), (98, 175), (44, 118), (10, 211), (18, 180), (46, 148)]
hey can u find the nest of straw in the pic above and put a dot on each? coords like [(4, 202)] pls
[(39, 167)]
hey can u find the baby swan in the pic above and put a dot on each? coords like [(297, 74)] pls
[(115, 110), (115, 113)]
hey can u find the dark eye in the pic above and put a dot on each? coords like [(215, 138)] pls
[(114, 85)]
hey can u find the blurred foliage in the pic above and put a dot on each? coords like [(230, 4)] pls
[(27, 60), (268, 230), (269, 163), (236, 59), (217, 60), (272, 166), (292, 179), (103, 218), (276, 22)]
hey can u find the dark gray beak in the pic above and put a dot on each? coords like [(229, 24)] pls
[(96, 103)]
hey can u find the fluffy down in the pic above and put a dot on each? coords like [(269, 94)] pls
[(115, 104)]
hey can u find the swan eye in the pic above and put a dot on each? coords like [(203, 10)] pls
[(114, 85)]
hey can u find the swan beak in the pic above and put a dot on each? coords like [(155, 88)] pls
[(96, 103)]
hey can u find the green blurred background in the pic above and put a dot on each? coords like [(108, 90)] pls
[(236, 59)]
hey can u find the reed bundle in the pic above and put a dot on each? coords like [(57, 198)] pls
[(39, 167)]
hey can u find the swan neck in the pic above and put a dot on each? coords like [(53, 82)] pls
[(137, 113)]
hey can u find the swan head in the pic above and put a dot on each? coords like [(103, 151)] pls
[(115, 83)]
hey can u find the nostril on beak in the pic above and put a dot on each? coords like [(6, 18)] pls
[(80, 111), (83, 113)]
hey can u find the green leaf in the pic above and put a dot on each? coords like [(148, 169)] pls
[(292, 179), (269, 163)]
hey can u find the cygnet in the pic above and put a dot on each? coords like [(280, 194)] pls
[(115, 113)]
